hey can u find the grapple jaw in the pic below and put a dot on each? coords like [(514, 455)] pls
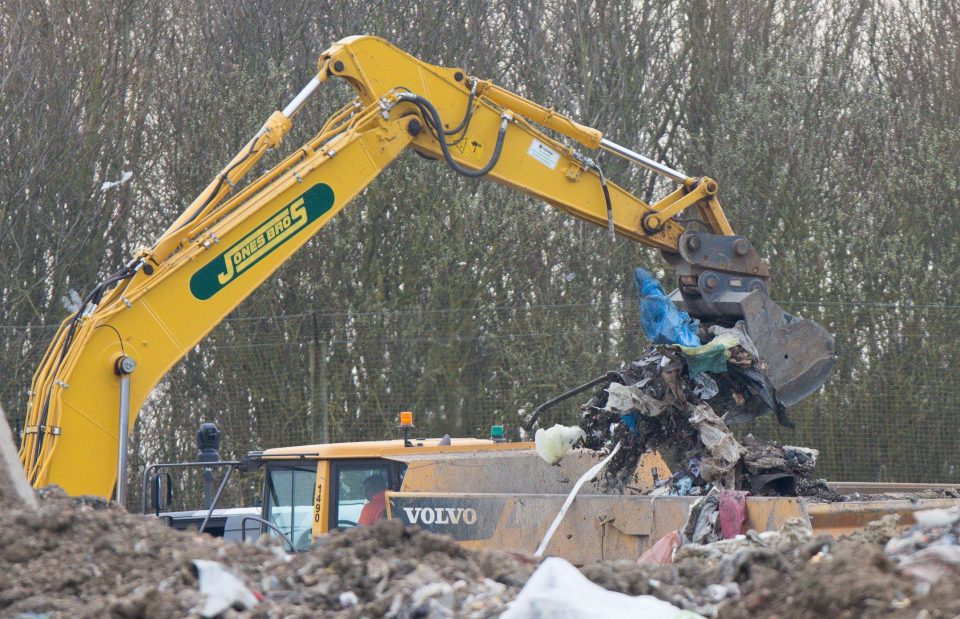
[(799, 353), (722, 280)]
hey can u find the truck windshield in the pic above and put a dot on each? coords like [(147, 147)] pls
[(290, 502)]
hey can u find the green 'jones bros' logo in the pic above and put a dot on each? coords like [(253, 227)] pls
[(254, 247)]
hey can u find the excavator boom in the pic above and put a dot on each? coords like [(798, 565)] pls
[(133, 326)]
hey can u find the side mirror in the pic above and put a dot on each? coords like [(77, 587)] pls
[(167, 500)]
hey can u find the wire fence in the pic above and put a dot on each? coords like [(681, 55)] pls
[(890, 411)]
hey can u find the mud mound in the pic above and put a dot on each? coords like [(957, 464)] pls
[(78, 557), (85, 558), (393, 571)]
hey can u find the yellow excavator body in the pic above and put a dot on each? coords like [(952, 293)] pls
[(137, 323)]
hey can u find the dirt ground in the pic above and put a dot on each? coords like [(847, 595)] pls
[(84, 558)]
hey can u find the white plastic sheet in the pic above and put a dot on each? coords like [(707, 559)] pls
[(625, 398), (557, 590), (221, 589)]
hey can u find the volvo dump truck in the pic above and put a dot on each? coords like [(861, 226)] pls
[(136, 323), (496, 495)]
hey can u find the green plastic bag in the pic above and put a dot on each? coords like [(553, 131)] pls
[(710, 357)]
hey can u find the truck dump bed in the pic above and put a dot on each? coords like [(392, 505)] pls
[(507, 501)]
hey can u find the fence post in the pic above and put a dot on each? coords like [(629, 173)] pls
[(318, 385)]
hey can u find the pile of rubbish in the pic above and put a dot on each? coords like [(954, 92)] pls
[(931, 549), (680, 398), (785, 573), (790, 573), (85, 558), (652, 404)]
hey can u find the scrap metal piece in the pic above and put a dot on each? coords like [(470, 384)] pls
[(532, 418), (715, 273)]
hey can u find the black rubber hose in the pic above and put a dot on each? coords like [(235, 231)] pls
[(606, 197), (466, 116), (533, 417), (223, 177), (94, 296), (432, 117)]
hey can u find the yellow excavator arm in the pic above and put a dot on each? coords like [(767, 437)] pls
[(131, 328)]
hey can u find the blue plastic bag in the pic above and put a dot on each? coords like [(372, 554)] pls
[(662, 322)]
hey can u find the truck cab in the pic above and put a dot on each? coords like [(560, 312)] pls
[(313, 489)]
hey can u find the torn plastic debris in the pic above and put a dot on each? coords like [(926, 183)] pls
[(724, 449), (662, 322), (706, 387), (929, 551), (932, 563), (558, 589), (701, 527), (221, 589), (739, 331), (757, 384), (733, 512), (624, 399), (710, 357), (553, 444), (678, 484), (124, 177), (662, 552), (720, 515)]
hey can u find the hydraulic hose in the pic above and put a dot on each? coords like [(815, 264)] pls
[(606, 198), (467, 116), (92, 298), (224, 177), (432, 117)]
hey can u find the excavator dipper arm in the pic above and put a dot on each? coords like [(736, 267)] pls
[(135, 325)]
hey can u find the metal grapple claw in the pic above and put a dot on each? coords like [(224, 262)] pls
[(723, 279), (799, 353)]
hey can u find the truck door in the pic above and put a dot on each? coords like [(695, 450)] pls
[(289, 498), (348, 497)]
